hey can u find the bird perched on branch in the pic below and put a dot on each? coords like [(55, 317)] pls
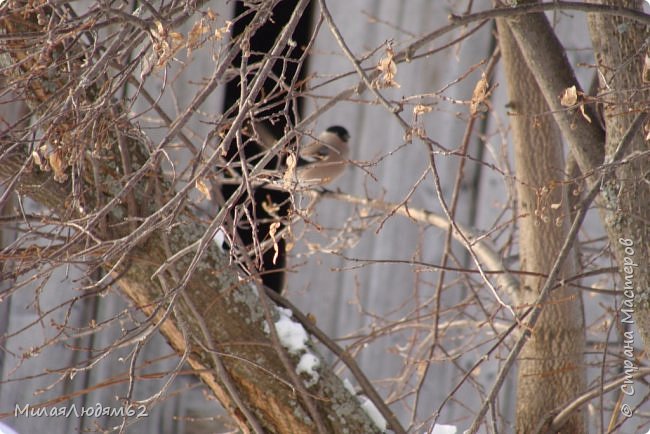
[(319, 162), (323, 160), (285, 189)]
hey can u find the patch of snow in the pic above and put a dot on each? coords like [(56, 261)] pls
[(219, 239), (291, 334), (443, 429), (373, 413), (309, 364), (294, 338)]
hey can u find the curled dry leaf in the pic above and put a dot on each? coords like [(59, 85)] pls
[(194, 36), (584, 114), (288, 174), (58, 166), (479, 96), (39, 161), (222, 31), (270, 207), (203, 188), (212, 15), (569, 97), (165, 44), (420, 109), (388, 70), (273, 230), (159, 31)]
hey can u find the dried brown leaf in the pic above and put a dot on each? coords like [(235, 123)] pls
[(38, 160), (58, 166), (273, 230), (388, 69), (479, 96), (222, 31), (569, 97), (204, 189), (288, 173), (212, 15), (194, 36), (420, 109), (584, 114)]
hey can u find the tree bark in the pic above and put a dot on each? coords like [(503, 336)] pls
[(551, 367), (622, 205), (620, 51)]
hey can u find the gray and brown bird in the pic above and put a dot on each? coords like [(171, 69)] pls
[(324, 159), (318, 162)]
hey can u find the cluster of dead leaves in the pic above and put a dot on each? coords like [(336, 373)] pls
[(166, 44), (51, 159), (387, 69)]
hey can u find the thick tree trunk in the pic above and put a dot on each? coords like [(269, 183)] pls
[(551, 368), (622, 201), (620, 48)]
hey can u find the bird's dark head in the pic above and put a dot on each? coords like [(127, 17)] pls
[(341, 132)]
